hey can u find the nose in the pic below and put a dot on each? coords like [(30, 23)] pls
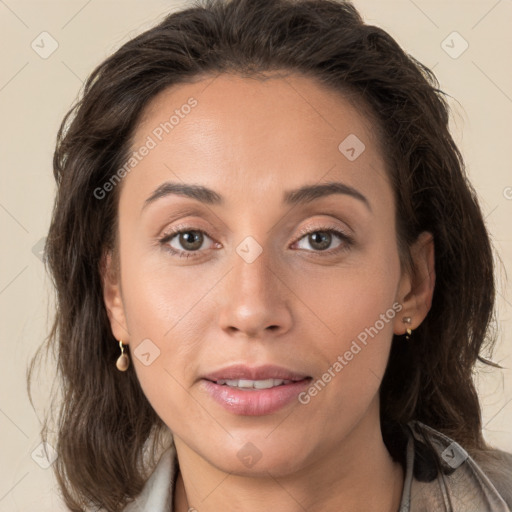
[(255, 299)]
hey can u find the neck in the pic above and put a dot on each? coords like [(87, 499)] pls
[(358, 476)]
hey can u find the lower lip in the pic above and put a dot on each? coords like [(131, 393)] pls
[(254, 402)]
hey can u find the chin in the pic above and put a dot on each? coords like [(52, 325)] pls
[(258, 459)]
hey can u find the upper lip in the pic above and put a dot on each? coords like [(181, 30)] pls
[(241, 371)]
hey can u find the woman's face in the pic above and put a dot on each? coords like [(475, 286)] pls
[(256, 291)]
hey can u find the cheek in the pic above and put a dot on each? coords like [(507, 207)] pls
[(357, 309), (156, 314), (353, 362), (158, 295), (344, 301), (161, 321)]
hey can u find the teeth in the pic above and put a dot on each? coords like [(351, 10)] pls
[(253, 384)]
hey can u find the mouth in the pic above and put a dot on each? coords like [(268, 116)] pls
[(258, 391)]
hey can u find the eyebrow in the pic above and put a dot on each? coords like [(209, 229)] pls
[(302, 195)]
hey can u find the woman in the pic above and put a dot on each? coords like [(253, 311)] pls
[(273, 276)]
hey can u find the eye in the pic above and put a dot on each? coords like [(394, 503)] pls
[(320, 239), (189, 239)]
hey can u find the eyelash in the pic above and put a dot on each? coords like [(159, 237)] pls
[(345, 246)]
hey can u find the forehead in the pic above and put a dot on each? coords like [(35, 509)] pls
[(255, 136)]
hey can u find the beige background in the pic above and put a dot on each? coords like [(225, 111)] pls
[(35, 93)]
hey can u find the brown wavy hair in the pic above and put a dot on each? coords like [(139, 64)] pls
[(106, 427)]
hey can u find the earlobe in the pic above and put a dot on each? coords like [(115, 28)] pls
[(112, 297), (416, 291)]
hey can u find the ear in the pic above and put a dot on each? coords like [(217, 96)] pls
[(112, 297), (415, 291)]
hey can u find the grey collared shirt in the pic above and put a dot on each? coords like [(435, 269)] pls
[(440, 476)]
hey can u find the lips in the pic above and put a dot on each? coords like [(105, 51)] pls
[(264, 372), (257, 391)]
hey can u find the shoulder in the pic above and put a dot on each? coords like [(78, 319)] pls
[(497, 465), (453, 478)]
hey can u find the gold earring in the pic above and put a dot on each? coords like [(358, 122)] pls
[(407, 320), (123, 361)]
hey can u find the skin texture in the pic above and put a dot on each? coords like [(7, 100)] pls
[(294, 305)]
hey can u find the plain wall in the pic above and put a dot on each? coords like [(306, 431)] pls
[(36, 92)]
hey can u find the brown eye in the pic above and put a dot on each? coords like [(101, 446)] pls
[(321, 240), (184, 242), (190, 240)]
